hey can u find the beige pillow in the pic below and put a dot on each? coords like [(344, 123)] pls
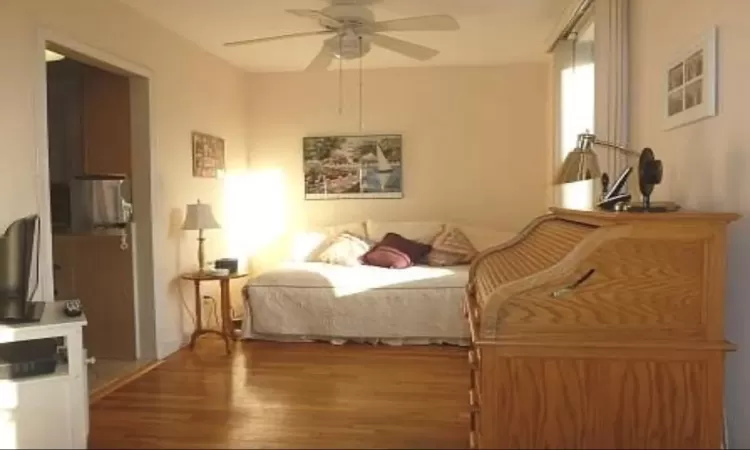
[(451, 248), (345, 250)]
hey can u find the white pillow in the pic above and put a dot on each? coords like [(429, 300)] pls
[(345, 250), (307, 245), (424, 232)]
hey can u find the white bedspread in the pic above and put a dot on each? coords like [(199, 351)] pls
[(306, 301)]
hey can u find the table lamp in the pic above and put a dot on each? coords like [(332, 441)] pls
[(581, 163), (199, 217)]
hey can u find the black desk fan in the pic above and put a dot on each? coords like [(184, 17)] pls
[(650, 172)]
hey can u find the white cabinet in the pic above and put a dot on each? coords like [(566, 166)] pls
[(47, 411), (37, 414)]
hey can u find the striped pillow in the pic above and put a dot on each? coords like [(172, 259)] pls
[(451, 248)]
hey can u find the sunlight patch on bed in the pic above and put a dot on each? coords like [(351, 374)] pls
[(368, 280)]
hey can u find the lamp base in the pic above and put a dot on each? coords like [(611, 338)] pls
[(201, 259), (655, 207)]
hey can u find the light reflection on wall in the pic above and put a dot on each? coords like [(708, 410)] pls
[(577, 103), (255, 213)]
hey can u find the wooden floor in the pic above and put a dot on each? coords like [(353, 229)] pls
[(105, 371), (295, 395)]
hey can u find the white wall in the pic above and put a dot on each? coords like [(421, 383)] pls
[(476, 143), (190, 90), (707, 164)]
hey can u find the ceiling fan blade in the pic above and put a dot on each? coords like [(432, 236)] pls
[(324, 19), (423, 23), (321, 62), (409, 49), (355, 2), (276, 38)]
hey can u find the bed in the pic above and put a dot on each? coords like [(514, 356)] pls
[(301, 300), (319, 301)]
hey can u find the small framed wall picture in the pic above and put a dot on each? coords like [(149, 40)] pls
[(208, 155), (690, 83)]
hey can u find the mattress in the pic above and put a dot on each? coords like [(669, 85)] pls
[(319, 301)]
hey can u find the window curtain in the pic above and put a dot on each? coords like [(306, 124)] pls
[(612, 98)]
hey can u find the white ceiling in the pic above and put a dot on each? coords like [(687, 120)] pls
[(492, 32)]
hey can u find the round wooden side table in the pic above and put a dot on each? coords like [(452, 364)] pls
[(226, 332)]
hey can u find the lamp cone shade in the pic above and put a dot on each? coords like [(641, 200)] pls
[(581, 164), (199, 217)]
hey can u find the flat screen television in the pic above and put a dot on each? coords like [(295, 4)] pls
[(19, 254)]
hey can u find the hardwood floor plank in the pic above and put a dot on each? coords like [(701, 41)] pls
[(291, 395)]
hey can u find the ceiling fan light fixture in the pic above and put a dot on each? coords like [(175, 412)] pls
[(348, 47)]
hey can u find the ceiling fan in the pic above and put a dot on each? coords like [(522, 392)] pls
[(354, 30)]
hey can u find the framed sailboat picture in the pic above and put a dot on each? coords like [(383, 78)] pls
[(353, 167)]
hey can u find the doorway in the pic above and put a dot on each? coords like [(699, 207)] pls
[(98, 206)]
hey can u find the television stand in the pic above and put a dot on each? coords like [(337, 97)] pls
[(49, 410), (33, 314)]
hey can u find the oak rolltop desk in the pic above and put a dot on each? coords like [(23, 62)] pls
[(600, 330)]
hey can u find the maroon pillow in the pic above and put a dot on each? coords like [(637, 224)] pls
[(416, 250), (384, 256)]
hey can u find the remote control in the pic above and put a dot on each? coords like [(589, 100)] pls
[(73, 308)]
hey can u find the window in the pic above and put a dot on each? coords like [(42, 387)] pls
[(575, 69), (591, 91)]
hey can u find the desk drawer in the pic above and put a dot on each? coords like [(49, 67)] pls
[(474, 400), (474, 431), (475, 358), (475, 381), (471, 313), (473, 439)]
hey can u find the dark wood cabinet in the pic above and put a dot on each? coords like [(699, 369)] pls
[(89, 134), (65, 120), (106, 123), (95, 270), (88, 121)]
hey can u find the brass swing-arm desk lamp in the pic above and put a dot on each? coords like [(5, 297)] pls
[(583, 164)]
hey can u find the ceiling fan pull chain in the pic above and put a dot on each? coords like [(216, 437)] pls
[(361, 87), (341, 80)]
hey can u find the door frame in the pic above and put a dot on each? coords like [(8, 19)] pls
[(142, 182)]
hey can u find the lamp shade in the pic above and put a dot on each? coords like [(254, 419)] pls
[(579, 165), (199, 217)]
